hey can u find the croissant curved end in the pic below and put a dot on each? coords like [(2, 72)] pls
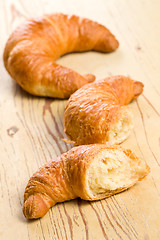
[(89, 77), (35, 206), (137, 88), (114, 44)]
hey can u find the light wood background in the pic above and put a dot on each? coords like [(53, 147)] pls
[(31, 128)]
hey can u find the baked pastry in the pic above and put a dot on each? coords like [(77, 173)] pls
[(96, 113), (32, 49), (91, 172)]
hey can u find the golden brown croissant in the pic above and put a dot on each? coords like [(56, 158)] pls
[(32, 49), (90, 172), (95, 113)]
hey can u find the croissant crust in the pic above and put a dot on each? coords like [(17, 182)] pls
[(32, 49)]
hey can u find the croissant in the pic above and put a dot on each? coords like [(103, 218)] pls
[(91, 172), (96, 113), (32, 49)]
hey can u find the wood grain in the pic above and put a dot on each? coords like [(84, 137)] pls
[(31, 128)]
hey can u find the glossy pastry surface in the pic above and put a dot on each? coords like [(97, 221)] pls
[(32, 49)]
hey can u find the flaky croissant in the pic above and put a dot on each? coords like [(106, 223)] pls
[(32, 49), (96, 112), (91, 172)]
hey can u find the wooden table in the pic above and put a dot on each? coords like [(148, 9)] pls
[(31, 128)]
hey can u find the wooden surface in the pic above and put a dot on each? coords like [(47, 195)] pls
[(31, 128)]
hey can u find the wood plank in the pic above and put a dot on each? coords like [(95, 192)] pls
[(31, 128)]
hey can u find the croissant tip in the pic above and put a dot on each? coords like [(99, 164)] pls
[(114, 44), (27, 207), (138, 88), (89, 77), (34, 207)]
